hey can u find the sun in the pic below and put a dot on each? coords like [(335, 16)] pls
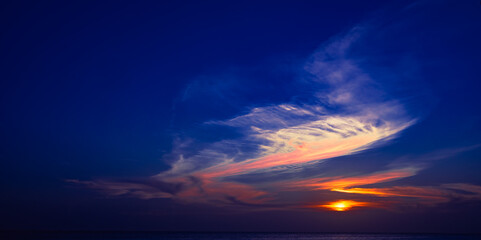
[(340, 206), (343, 205)]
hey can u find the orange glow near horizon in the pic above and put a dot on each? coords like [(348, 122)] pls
[(344, 205), (348, 184)]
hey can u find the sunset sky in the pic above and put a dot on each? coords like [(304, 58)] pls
[(342, 116)]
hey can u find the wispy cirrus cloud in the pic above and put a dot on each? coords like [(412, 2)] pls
[(324, 138), (350, 116)]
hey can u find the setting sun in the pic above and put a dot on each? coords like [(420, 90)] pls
[(344, 205)]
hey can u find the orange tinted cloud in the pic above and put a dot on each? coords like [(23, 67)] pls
[(343, 184), (431, 194)]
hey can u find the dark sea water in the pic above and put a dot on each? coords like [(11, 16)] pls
[(222, 236)]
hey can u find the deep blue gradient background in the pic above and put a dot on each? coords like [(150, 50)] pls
[(92, 89)]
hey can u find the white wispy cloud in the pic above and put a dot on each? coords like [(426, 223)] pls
[(351, 114)]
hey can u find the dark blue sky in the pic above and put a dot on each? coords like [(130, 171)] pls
[(240, 116)]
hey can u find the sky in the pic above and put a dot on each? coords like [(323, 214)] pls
[(310, 116)]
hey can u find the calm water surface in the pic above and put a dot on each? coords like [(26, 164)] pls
[(221, 236)]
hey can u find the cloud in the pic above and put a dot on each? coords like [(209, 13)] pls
[(427, 195), (139, 189), (343, 184), (324, 138)]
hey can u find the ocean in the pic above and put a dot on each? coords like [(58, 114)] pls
[(224, 236)]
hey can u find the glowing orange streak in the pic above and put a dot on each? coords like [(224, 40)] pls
[(346, 185), (343, 183), (371, 191), (416, 192), (364, 180)]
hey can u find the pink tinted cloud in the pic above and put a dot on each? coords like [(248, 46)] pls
[(328, 137)]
